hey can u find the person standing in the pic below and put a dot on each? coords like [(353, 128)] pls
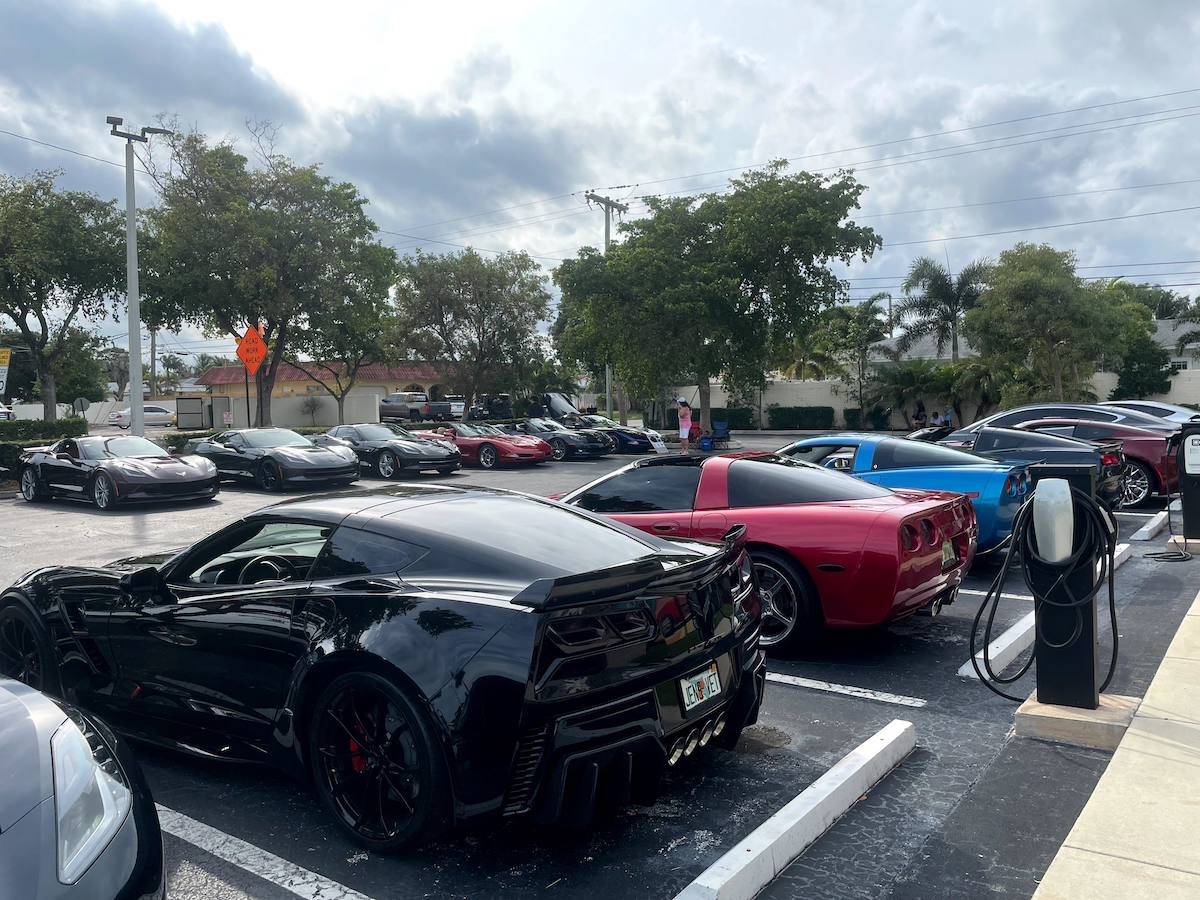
[(920, 420), (685, 424)]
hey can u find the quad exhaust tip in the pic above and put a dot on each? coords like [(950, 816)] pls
[(693, 741), (696, 738)]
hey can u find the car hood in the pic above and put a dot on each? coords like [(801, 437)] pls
[(308, 455), (155, 465), (423, 447), (28, 720)]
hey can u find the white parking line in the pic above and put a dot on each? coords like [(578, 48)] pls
[(848, 690), (275, 869), (1151, 529)]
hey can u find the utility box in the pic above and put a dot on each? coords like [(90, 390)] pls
[(1189, 479)]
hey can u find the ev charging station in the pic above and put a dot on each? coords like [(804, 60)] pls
[(1189, 480)]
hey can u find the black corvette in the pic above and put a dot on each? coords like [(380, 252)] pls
[(275, 457), (390, 450), (564, 442), (621, 438), (427, 655), (112, 470), (76, 816)]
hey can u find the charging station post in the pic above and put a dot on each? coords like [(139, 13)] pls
[(1189, 480), (1066, 647)]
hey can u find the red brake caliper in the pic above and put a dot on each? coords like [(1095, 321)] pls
[(359, 762)]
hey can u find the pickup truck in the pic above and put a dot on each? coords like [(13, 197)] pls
[(413, 407)]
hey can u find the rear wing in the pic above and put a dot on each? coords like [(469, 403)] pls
[(660, 571)]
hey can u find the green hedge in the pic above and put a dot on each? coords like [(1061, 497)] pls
[(175, 440), (853, 417), (880, 419), (804, 418), (39, 430), (11, 450)]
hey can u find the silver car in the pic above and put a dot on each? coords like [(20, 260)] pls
[(154, 415), (1168, 411)]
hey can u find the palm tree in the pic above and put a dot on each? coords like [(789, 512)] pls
[(935, 302), (906, 383)]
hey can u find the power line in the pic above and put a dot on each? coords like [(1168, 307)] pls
[(63, 149)]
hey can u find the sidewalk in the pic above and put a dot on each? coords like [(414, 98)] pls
[(1137, 836)]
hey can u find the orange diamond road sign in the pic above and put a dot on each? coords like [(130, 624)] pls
[(252, 350)]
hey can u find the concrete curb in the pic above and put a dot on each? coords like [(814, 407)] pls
[(1150, 530), (1124, 552), (750, 866)]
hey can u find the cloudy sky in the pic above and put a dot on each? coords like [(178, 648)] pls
[(482, 123)]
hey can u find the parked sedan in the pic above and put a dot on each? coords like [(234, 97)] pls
[(996, 489), (6, 412), (423, 656), (391, 450), (487, 446), (113, 470), (565, 442), (830, 550), (1168, 411), (76, 816), (151, 415), (274, 457), (1010, 418), (1150, 465)]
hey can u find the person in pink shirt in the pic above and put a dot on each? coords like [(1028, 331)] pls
[(685, 424)]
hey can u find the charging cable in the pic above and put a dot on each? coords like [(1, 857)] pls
[(1095, 537)]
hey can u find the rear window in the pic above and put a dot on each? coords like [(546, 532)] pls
[(776, 480), (898, 454)]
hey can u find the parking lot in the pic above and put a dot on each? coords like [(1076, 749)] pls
[(972, 812)]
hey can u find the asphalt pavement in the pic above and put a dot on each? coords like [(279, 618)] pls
[(972, 812)]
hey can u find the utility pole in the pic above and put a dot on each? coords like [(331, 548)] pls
[(136, 400), (609, 205), (153, 364)]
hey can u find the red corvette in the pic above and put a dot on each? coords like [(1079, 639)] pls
[(829, 549), (487, 447), (1149, 468)]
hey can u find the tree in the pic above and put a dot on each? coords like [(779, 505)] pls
[(975, 380), (310, 406), (206, 361), (474, 318), (812, 354), (78, 370), (232, 246), (935, 302), (1145, 370), (856, 330), (1162, 302), (906, 383), (61, 259), (1036, 313)]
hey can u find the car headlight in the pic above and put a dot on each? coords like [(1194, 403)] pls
[(91, 796)]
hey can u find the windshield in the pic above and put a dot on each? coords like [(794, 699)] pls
[(120, 446), (280, 438), (490, 431), (383, 432), (599, 420), (546, 425)]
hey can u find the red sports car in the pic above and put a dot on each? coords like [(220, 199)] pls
[(487, 447), (1149, 468), (829, 549)]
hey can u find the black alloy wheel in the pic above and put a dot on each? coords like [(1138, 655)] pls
[(558, 449), (1137, 486), (104, 493), (376, 763), (791, 615), (610, 442), (31, 486), (488, 457), (387, 464), (269, 476), (24, 653)]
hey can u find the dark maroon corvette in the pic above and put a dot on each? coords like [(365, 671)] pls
[(426, 655)]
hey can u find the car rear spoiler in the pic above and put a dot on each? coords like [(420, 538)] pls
[(628, 579)]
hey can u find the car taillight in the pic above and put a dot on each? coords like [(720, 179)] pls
[(1010, 486), (1108, 459), (929, 532), (908, 537), (426, 407)]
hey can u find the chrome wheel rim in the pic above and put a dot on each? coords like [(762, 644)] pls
[(101, 492), (387, 464), (558, 450), (369, 762), (487, 457), (20, 655), (1136, 487), (28, 485), (780, 607)]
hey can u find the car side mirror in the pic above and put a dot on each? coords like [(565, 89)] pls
[(61, 455), (146, 582)]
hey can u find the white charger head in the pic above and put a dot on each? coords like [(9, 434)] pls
[(1053, 519)]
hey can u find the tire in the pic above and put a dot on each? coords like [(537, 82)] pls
[(488, 457), (558, 449), (25, 652), (414, 417), (104, 493), (792, 615), (610, 442), (377, 765), (386, 464), (1138, 486), (31, 486), (269, 477)]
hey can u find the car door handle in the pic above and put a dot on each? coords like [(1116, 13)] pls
[(178, 636), (665, 527)]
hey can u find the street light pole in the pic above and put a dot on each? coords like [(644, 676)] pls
[(136, 401)]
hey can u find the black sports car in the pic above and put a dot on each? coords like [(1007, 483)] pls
[(390, 450), (112, 470), (621, 438), (564, 442), (427, 655), (76, 816), (275, 457)]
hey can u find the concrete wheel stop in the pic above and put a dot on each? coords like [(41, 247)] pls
[(1101, 729)]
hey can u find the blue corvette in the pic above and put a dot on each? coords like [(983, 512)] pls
[(996, 489)]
